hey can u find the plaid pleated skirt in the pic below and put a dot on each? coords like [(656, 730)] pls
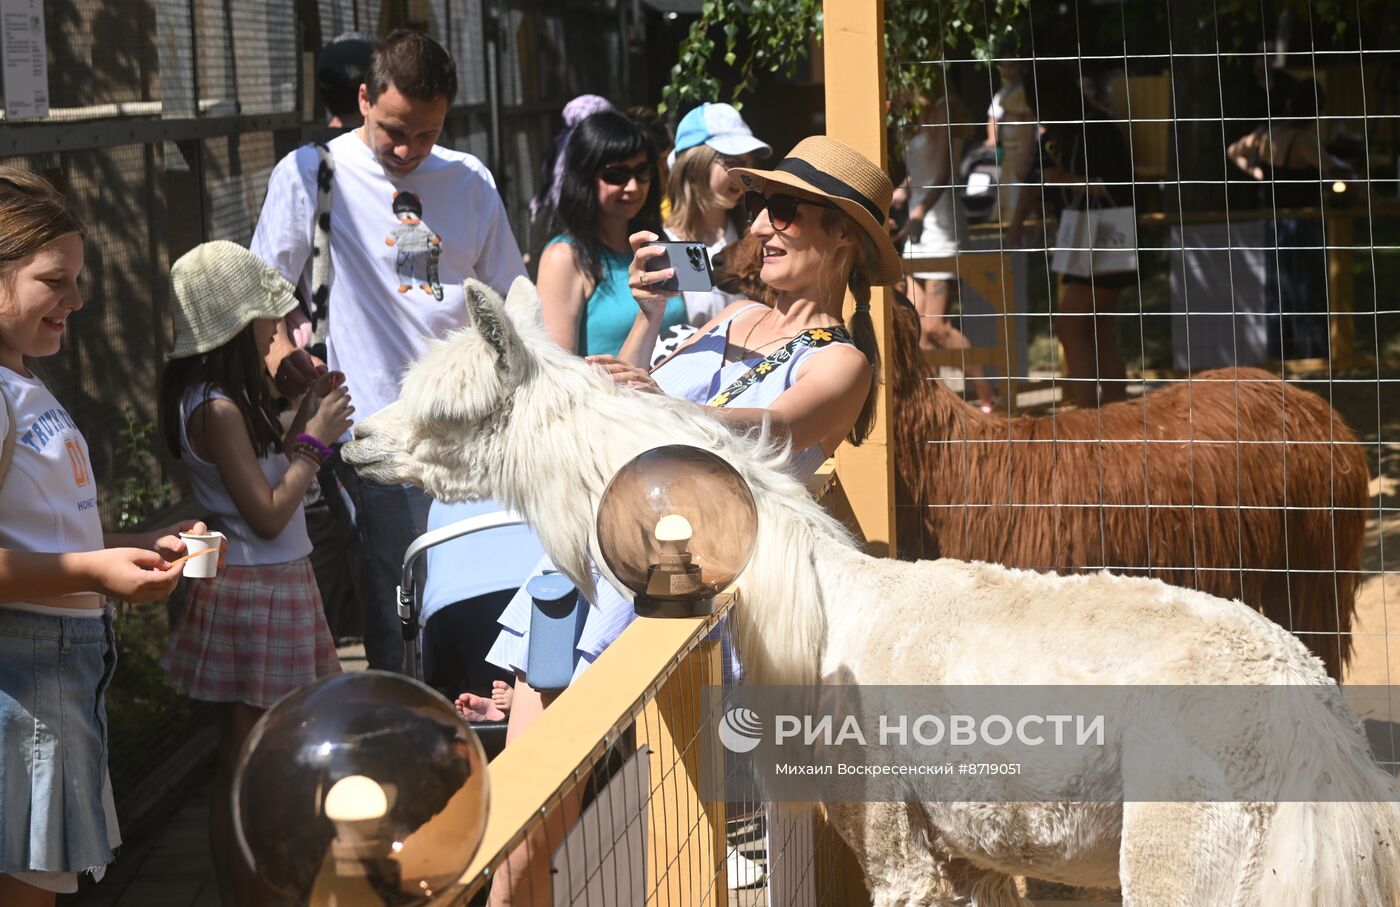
[(252, 635)]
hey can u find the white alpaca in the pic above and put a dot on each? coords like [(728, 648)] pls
[(499, 411)]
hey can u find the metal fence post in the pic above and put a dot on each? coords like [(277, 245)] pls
[(854, 51), (853, 47)]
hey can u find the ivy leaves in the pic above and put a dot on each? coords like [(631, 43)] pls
[(760, 37), (754, 38), (770, 37)]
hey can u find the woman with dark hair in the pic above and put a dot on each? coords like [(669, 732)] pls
[(610, 189)]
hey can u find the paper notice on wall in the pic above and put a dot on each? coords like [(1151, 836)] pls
[(26, 63)]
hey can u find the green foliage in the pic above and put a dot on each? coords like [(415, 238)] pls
[(774, 36), (137, 496)]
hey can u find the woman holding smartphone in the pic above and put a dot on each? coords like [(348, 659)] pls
[(820, 217), (610, 172), (705, 203)]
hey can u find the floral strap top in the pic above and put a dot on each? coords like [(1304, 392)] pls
[(813, 337)]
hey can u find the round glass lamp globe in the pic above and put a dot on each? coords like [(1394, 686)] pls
[(363, 788), (676, 525)]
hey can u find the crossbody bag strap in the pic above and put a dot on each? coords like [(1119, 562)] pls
[(318, 304), (7, 450), (813, 337)]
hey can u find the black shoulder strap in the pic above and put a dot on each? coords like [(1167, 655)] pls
[(814, 337)]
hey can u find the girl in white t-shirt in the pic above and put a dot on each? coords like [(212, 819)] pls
[(57, 567), (257, 632)]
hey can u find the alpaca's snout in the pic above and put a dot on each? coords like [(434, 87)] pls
[(362, 449)]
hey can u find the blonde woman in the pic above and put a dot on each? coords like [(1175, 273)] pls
[(712, 139)]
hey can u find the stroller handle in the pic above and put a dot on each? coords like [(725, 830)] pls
[(407, 591)]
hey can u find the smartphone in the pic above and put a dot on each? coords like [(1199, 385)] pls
[(692, 263)]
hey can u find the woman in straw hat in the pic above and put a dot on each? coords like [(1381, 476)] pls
[(257, 631), (820, 217)]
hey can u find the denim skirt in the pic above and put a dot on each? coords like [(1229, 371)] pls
[(56, 813)]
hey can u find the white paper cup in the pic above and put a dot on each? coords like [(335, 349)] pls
[(205, 566)]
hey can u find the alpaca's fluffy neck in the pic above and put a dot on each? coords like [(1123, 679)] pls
[(570, 433)]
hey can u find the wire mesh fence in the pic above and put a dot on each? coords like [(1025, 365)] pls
[(1151, 244), (638, 821)]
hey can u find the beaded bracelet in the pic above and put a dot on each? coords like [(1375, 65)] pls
[(316, 444), (306, 452)]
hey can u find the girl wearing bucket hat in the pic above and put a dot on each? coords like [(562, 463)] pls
[(820, 218), (256, 632), (705, 203)]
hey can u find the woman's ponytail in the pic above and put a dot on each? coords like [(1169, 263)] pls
[(862, 328)]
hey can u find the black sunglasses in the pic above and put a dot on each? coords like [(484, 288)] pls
[(619, 175), (782, 209)]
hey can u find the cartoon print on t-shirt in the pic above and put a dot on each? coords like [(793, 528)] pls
[(419, 248)]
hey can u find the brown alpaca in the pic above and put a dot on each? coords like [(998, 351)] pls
[(1202, 505), (1246, 487)]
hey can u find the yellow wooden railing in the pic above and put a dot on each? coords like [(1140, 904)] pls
[(649, 679)]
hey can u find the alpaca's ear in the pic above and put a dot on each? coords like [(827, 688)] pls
[(523, 304), (490, 320)]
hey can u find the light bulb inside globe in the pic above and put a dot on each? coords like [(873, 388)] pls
[(675, 526), (673, 534), (356, 798), (361, 788)]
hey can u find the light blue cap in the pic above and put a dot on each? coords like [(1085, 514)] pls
[(720, 127)]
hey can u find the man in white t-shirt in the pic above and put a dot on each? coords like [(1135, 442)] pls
[(409, 221)]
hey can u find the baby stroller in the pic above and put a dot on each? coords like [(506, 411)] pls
[(978, 174), (457, 579)]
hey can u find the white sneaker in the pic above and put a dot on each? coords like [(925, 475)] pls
[(743, 872)]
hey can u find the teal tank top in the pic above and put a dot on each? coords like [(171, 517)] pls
[(610, 312)]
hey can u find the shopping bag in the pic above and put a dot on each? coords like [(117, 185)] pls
[(1097, 241)]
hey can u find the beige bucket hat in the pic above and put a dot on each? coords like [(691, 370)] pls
[(216, 289), (825, 168)]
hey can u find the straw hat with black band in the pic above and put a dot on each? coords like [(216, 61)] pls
[(821, 167)]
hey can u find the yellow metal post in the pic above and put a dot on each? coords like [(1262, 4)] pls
[(1341, 290), (854, 53), (854, 60)]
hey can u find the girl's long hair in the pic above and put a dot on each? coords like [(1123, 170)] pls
[(692, 199), (606, 137), (237, 370)]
